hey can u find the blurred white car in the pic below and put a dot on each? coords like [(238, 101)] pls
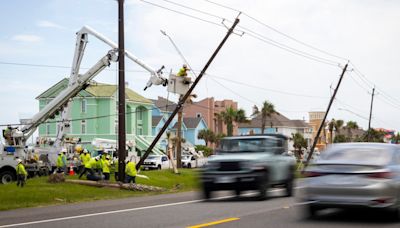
[(156, 162), (190, 161)]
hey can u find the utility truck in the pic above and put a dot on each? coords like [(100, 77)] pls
[(14, 145)]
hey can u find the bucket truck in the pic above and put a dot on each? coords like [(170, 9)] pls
[(15, 138)]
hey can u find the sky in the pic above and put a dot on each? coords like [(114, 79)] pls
[(291, 53)]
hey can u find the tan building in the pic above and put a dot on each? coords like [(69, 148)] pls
[(315, 120)]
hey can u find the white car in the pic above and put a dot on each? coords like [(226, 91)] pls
[(156, 162), (190, 161)]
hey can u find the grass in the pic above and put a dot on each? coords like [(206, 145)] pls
[(38, 192)]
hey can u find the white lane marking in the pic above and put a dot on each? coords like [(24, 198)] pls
[(123, 210)]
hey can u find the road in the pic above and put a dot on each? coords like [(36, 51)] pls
[(189, 210)]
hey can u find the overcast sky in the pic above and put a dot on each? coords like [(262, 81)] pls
[(249, 68)]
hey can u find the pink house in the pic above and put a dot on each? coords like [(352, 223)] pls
[(208, 108)]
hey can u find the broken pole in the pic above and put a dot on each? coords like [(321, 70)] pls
[(183, 99), (326, 114)]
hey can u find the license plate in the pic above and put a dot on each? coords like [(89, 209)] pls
[(224, 180)]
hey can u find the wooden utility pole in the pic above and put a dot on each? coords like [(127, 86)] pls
[(179, 138), (370, 115), (326, 114), (188, 93), (121, 93)]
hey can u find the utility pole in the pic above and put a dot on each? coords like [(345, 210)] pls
[(370, 114), (326, 114), (188, 93), (121, 93), (179, 138)]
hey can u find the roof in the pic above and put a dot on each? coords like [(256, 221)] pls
[(277, 120), (94, 89), (164, 104), (155, 120), (192, 122)]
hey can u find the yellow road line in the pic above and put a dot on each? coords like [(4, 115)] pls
[(214, 223)]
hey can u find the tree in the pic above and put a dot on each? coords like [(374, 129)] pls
[(374, 136), (351, 125), (207, 135), (341, 139), (335, 125), (299, 142), (230, 115), (267, 110)]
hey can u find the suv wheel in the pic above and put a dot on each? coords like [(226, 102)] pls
[(237, 192), (289, 187), (189, 166), (206, 193), (7, 177), (159, 167), (263, 188), (311, 211)]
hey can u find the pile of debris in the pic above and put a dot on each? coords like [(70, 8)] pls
[(133, 187), (56, 178)]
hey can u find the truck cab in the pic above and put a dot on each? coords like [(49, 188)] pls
[(252, 162)]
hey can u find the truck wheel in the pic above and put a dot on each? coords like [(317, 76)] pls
[(311, 211), (237, 192), (289, 188), (189, 166), (7, 177), (159, 167), (206, 193)]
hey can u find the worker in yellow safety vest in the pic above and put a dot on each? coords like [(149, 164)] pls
[(90, 165), (130, 172), (21, 173), (62, 161), (106, 168)]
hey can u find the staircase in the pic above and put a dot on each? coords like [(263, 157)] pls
[(142, 144)]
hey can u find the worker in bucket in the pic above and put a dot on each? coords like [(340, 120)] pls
[(183, 73), (130, 171), (21, 173)]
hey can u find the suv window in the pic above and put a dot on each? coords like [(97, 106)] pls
[(249, 145)]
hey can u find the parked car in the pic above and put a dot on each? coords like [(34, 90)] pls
[(252, 162), (364, 175), (156, 162), (190, 161)]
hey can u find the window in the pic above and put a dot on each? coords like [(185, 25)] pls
[(198, 115), (83, 126), (47, 129), (83, 105)]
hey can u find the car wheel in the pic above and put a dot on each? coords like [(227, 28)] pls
[(395, 214), (7, 177), (206, 193), (237, 192), (189, 166), (289, 188), (159, 167), (311, 211), (263, 191)]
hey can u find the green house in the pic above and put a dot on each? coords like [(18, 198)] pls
[(94, 114)]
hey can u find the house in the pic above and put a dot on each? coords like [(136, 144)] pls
[(94, 114), (277, 123), (208, 109)]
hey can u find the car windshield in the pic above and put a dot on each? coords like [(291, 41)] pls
[(360, 155), (185, 157), (249, 145), (151, 157)]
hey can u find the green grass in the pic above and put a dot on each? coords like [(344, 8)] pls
[(38, 192)]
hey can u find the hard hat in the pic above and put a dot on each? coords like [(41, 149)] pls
[(85, 151), (185, 65), (108, 157), (78, 148), (97, 158), (64, 150), (19, 160)]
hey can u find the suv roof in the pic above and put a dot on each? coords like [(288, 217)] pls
[(258, 136)]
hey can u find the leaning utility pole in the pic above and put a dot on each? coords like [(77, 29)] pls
[(121, 93), (179, 138), (326, 114), (184, 98), (370, 115)]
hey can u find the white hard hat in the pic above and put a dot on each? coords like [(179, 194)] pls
[(85, 151), (19, 160), (185, 65), (64, 150), (97, 158)]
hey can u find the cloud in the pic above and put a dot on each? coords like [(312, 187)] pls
[(49, 24), (27, 38)]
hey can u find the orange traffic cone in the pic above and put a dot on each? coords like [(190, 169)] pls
[(71, 170)]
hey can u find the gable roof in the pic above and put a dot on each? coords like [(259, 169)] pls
[(155, 120), (164, 104), (95, 89), (192, 122), (278, 120)]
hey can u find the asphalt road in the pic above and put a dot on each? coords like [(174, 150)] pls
[(188, 209)]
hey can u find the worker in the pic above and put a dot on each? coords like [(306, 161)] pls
[(183, 71), (21, 173), (130, 172), (106, 168), (99, 165), (83, 159), (90, 165), (62, 161)]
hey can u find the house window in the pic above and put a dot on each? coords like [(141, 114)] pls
[(83, 126), (47, 129), (83, 106), (140, 114), (198, 115)]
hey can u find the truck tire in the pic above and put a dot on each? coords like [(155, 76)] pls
[(206, 193), (7, 177), (159, 167), (189, 166)]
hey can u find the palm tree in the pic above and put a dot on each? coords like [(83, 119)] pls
[(266, 111), (351, 125), (334, 125), (229, 116), (299, 142), (207, 135)]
